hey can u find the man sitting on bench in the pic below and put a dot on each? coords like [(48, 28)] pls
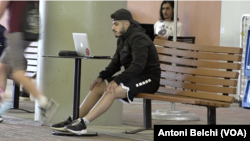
[(137, 54)]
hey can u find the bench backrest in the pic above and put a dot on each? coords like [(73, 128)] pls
[(197, 71), (31, 55), (185, 39)]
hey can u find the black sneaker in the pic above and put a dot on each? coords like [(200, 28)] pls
[(48, 111), (60, 126), (1, 119), (78, 127)]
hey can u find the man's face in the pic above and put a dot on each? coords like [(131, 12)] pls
[(119, 28), (167, 11)]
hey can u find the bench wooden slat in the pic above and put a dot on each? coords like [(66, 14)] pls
[(214, 103), (183, 99), (200, 55), (198, 87), (31, 68), (164, 90), (32, 62), (200, 63), (170, 99), (31, 56), (31, 50), (34, 44), (200, 71), (202, 102), (199, 79), (180, 45)]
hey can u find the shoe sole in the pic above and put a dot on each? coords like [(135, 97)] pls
[(60, 129), (78, 132), (51, 113), (24, 98)]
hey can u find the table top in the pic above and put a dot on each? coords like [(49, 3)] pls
[(77, 57)]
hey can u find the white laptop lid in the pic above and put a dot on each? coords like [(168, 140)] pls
[(82, 44)]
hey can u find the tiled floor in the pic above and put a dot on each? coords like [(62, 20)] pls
[(19, 125)]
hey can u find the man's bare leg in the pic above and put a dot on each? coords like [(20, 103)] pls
[(48, 106), (91, 99), (3, 81), (79, 126), (105, 102), (3, 75)]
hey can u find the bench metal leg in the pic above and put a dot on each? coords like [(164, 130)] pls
[(211, 115), (15, 98), (147, 118)]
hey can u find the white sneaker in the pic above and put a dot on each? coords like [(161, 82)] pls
[(48, 111), (5, 107)]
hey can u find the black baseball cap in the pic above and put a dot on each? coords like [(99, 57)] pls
[(123, 14)]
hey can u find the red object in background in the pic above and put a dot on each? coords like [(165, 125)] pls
[(87, 51)]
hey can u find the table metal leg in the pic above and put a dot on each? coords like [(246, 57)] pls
[(76, 100), (77, 84)]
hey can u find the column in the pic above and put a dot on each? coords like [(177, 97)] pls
[(59, 19)]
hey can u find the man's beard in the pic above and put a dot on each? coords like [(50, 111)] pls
[(122, 32)]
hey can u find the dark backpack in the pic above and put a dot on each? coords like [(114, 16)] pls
[(30, 23), (2, 39)]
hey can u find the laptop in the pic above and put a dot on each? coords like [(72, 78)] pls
[(149, 30), (82, 46)]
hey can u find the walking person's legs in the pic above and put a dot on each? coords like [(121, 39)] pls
[(3, 80), (14, 58)]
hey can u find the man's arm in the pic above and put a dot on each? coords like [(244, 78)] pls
[(113, 67), (3, 6), (139, 47)]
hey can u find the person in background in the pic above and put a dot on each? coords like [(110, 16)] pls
[(165, 26), (14, 60)]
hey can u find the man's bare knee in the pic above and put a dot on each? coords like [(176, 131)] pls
[(119, 93), (99, 89)]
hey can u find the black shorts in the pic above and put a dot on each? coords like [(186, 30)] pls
[(138, 84)]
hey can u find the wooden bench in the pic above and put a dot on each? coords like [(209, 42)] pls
[(206, 80), (185, 39), (31, 55)]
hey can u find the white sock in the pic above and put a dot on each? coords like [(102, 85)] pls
[(86, 121), (42, 101)]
